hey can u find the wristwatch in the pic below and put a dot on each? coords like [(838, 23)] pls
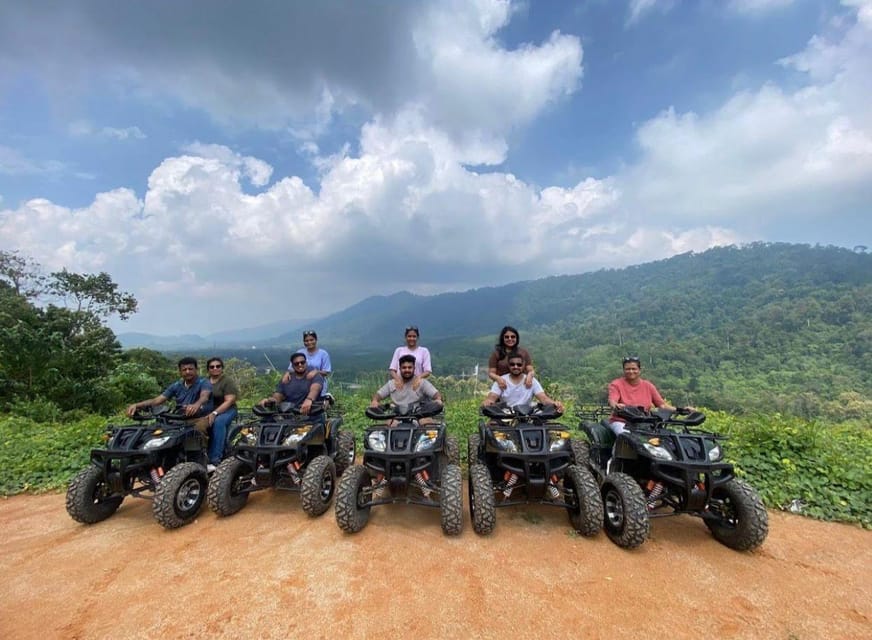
[(214, 413)]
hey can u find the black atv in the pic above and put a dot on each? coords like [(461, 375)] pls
[(405, 459), (279, 447), (162, 457), (520, 455), (664, 465)]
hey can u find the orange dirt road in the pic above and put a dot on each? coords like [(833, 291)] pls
[(272, 572)]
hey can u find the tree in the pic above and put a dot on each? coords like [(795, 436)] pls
[(21, 274), (94, 294)]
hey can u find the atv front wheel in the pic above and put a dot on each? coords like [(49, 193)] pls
[(226, 493), (89, 499), (344, 451), (580, 452), (319, 483), (584, 500), (451, 451), (473, 445), (736, 516), (451, 500), (352, 501), (179, 495), (482, 509), (626, 515)]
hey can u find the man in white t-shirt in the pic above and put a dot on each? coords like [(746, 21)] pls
[(516, 392)]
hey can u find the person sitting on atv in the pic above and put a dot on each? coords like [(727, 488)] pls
[(300, 390), (631, 390), (192, 394), (225, 391), (516, 391), (406, 394)]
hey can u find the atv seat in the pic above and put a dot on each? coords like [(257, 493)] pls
[(600, 434)]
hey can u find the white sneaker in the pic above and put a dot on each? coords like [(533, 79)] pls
[(210, 468), (553, 492)]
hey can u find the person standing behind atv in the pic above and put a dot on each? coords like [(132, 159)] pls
[(224, 394), (515, 391), (407, 394), (192, 394), (318, 360), (300, 390), (422, 360), (498, 363), (631, 390)]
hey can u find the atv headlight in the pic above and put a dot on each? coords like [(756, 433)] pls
[(505, 442), (657, 451), (558, 440), (426, 440), (297, 435), (715, 453), (377, 440), (154, 443)]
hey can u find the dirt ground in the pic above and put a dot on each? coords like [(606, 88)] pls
[(272, 572)]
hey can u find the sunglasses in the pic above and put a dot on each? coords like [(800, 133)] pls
[(516, 364), (298, 363), (510, 336), (631, 359), (310, 334), (411, 328), (216, 366)]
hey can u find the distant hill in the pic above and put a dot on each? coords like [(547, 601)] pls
[(236, 337), (779, 326)]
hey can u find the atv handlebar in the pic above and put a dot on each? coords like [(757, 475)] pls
[(272, 408), (413, 411), (522, 412)]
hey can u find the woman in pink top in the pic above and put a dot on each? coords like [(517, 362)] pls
[(631, 390), (423, 368)]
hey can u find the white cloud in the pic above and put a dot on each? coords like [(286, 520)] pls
[(83, 128), (637, 9), (769, 150), (758, 6)]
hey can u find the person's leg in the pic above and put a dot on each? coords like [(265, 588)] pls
[(219, 435)]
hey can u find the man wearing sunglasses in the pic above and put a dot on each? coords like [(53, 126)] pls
[(300, 390), (631, 390), (224, 394), (318, 360), (516, 392)]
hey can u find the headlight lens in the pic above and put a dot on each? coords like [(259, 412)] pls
[(377, 440), (154, 443), (426, 440), (656, 451), (297, 435), (715, 453), (505, 442), (558, 440)]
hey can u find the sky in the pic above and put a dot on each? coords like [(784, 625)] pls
[(233, 164)]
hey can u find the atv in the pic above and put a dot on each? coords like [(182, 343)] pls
[(161, 456), (520, 455), (665, 465), (279, 447), (408, 458)]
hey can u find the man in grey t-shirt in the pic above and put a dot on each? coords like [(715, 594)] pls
[(407, 395)]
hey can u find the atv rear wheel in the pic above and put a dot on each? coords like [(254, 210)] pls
[(626, 515), (473, 447), (580, 452), (482, 508), (451, 451), (226, 495), (344, 451), (319, 483), (179, 495), (737, 517), (89, 499), (451, 500), (584, 500), (352, 502)]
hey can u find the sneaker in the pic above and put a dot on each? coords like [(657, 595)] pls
[(210, 468), (553, 492), (379, 489)]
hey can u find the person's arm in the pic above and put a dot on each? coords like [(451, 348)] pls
[(194, 409), (229, 401), (275, 397), (491, 398), (544, 399), (153, 402), (426, 367), (615, 397), (311, 395), (531, 372)]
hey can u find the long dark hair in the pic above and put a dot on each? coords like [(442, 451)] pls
[(501, 348)]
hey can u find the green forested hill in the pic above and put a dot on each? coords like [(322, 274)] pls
[(778, 326)]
